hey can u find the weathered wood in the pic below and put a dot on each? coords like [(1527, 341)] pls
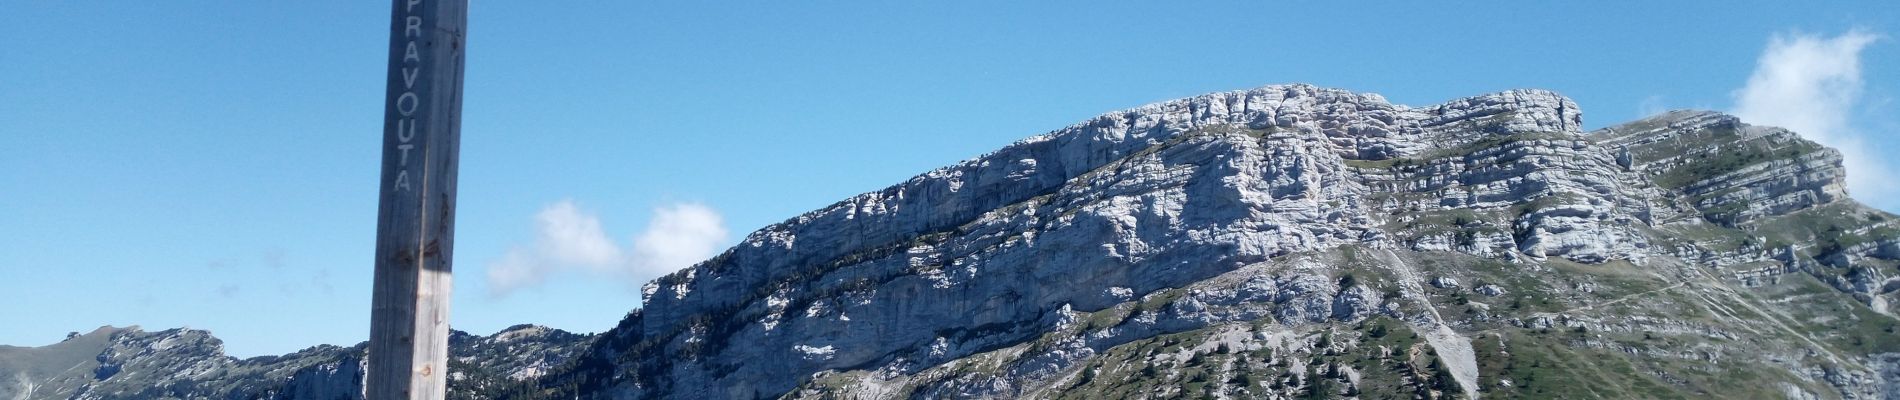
[(415, 229)]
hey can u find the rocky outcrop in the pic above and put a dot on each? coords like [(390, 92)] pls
[(169, 363), (130, 363), (1731, 172), (520, 352), (1160, 196), (1191, 215)]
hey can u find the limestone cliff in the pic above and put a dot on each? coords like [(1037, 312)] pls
[(1300, 241)]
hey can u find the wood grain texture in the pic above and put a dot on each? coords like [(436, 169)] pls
[(409, 309)]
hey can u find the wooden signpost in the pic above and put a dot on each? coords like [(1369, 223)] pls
[(415, 228)]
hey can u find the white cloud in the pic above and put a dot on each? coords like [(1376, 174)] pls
[(568, 235), (568, 238), (678, 236), (513, 271), (1651, 106), (1812, 85)]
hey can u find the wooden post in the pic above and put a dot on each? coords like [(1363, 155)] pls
[(415, 228)]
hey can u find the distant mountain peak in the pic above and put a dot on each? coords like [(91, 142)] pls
[(130, 363)]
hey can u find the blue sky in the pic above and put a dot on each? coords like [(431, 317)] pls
[(213, 164)]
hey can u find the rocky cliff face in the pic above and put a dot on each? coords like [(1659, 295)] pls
[(1300, 241), (129, 363)]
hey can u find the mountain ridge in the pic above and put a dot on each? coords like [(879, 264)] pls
[(1279, 242), (1112, 212), (131, 363)]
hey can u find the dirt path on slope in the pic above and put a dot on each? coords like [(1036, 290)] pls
[(1454, 349)]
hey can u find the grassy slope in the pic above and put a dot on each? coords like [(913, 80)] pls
[(51, 371)]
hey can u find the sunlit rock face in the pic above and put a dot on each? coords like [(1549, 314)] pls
[(1275, 229)]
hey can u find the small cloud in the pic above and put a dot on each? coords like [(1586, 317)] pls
[(678, 236), (568, 237), (1651, 106), (515, 270), (228, 291), (1812, 85)]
